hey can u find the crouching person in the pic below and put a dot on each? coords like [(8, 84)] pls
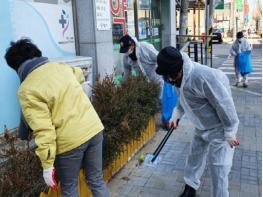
[(66, 127)]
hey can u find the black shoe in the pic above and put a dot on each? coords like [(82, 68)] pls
[(237, 84), (244, 85), (188, 192)]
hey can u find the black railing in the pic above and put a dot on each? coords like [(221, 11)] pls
[(197, 49)]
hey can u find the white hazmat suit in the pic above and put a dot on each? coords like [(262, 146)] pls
[(205, 98), (240, 45), (146, 60)]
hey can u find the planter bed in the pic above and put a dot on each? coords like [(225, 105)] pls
[(129, 151)]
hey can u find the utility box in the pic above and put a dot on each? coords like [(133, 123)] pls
[(82, 62)]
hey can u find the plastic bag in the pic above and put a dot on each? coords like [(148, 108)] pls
[(244, 62), (169, 100)]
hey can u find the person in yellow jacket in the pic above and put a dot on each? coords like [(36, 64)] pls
[(66, 127)]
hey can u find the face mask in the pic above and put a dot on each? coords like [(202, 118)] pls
[(170, 82), (129, 51), (176, 82)]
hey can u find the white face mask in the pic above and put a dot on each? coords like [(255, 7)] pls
[(239, 39), (130, 51)]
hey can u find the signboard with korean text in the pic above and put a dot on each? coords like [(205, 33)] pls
[(103, 17), (219, 4)]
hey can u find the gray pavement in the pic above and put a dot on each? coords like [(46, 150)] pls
[(166, 178)]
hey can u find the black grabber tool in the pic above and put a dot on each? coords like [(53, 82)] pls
[(150, 158)]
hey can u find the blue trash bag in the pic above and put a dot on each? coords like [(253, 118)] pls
[(244, 62), (169, 100)]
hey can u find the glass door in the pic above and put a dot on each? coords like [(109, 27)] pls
[(148, 22)]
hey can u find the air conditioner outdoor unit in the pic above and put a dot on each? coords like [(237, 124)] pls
[(82, 62)]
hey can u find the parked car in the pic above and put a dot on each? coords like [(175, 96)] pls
[(217, 35)]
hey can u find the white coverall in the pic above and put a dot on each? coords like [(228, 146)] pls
[(205, 98), (146, 61), (238, 47)]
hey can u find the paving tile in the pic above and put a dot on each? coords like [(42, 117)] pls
[(150, 192), (138, 181), (166, 179), (205, 194), (124, 191)]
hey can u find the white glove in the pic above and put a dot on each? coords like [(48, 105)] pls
[(85, 71), (49, 177), (232, 141), (173, 123)]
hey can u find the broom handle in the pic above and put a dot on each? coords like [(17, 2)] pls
[(161, 145)]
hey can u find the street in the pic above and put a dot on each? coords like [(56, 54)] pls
[(221, 62)]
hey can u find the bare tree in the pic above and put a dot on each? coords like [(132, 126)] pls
[(257, 15), (183, 20)]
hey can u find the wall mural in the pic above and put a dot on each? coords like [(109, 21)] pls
[(49, 24)]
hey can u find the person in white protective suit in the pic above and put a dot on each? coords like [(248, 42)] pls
[(205, 98), (140, 56), (241, 44)]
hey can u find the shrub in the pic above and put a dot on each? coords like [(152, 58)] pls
[(20, 170), (124, 110)]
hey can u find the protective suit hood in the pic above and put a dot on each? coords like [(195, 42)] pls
[(146, 59), (241, 46), (137, 44), (187, 68), (204, 95)]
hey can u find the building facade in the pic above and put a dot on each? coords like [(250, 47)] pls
[(66, 28)]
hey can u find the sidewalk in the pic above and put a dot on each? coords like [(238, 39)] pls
[(166, 179)]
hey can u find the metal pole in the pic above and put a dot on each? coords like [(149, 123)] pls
[(135, 19), (175, 15), (236, 23), (194, 23), (76, 29), (199, 30), (189, 50), (210, 28), (206, 29), (211, 60), (233, 19), (196, 52), (201, 53)]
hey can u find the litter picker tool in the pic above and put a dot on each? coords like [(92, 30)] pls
[(150, 158)]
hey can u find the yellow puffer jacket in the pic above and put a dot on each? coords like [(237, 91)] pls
[(57, 109)]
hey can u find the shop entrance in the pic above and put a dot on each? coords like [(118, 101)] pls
[(148, 23), (138, 18)]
